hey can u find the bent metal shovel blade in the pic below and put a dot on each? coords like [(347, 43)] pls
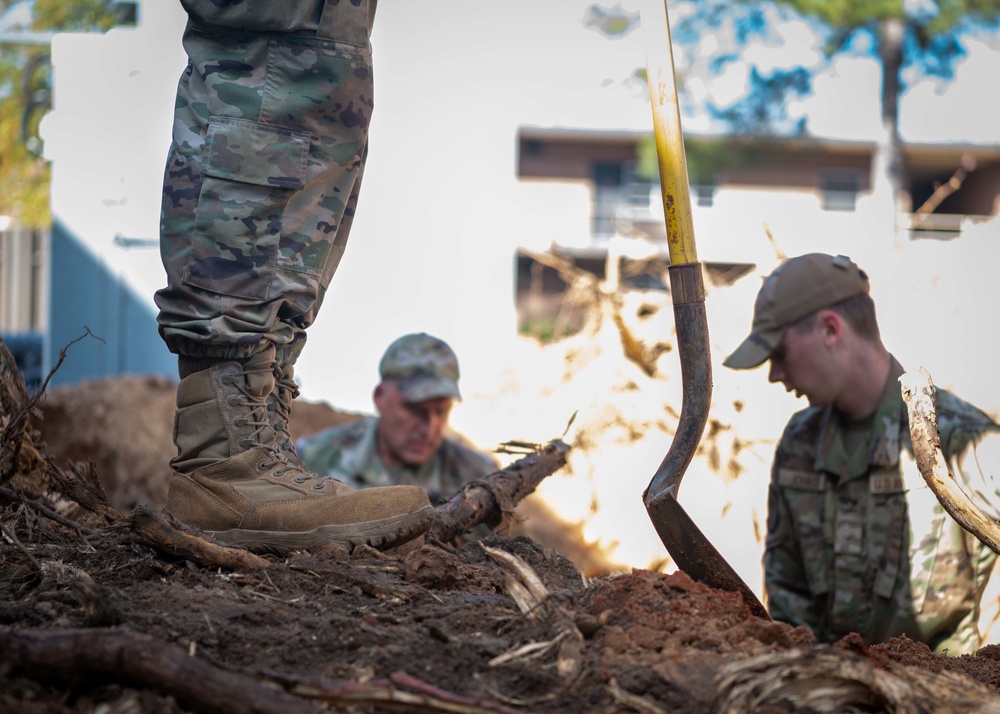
[(694, 553)]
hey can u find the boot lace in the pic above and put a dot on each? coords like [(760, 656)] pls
[(285, 392), (280, 458), (276, 462), (256, 417)]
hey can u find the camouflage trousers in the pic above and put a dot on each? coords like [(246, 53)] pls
[(270, 137)]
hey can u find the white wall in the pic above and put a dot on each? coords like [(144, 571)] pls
[(108, 134), (442, 212)]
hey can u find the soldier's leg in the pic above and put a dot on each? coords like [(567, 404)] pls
[(269, 141), (286, 390)]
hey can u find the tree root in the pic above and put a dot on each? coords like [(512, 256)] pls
[(143, 661)]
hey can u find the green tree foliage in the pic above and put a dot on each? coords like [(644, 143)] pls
[(25, 94), (924, 35), (920, 34)]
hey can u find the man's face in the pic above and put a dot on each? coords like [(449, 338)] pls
[(409, 432), (803, 365)]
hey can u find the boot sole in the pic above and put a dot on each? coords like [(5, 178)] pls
[(381, 534)]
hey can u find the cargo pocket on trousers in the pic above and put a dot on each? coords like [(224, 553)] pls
[(255, 15), (251, 170)]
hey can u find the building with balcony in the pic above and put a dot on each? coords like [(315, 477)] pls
[(751, 197)]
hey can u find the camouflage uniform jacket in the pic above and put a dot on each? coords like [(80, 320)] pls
[(858, 543), (349, 453)]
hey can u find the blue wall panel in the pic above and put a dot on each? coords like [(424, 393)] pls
[(86, 293)]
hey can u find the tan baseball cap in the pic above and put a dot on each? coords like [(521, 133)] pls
[(423, 367), (796, 289)]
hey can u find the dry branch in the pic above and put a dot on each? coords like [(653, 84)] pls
[(523, 583), (943, 191), (494, 497), (532, 598), (388, 694), (18, 454), (15, 409), (632, 701), (86, 490), (45, 511), (918, 393)]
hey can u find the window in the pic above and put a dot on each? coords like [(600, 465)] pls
[(839, 189), (607, 194), (703, 193), (638, 189)]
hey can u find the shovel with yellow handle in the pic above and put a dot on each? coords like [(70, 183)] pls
[(687, 545)]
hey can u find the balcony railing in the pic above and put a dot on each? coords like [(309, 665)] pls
[(941, 226)]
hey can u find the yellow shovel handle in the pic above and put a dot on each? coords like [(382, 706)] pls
[(667, 131)]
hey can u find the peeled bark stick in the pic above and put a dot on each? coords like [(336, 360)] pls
[(523, 582), (489, 499), (825, 679), (165, 533), (918, 393)]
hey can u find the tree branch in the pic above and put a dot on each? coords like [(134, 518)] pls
[(918, 393), (490, 499)]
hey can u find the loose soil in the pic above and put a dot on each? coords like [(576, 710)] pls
[(435, 627)]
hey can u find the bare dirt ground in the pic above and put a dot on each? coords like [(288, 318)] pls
[(92, 619), (95, 619)]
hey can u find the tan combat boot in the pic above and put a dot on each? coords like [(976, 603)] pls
[(233, 481)]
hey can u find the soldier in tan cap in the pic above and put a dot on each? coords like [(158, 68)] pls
[(856, 541), (406, 443)]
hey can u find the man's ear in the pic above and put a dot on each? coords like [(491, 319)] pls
[(377, 396), (831, 325)]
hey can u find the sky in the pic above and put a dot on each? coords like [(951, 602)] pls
[(442, 210)]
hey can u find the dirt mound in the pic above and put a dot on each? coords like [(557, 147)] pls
[(119, 425), (94, 619), (124, 426)]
